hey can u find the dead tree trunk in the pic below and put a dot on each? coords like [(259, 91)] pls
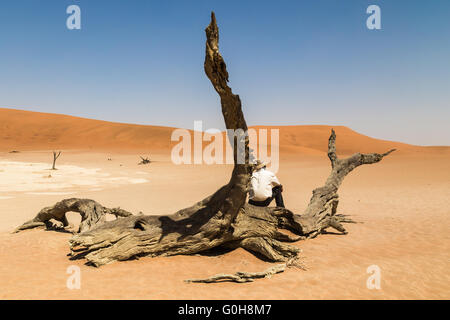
[(55, 157), (222, 219)]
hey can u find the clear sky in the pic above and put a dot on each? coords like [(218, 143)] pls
[(292, 62)]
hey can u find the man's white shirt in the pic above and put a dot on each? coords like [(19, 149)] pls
[(262, 183)]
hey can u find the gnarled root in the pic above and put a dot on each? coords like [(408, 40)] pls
[(242, 277), (92, 214)]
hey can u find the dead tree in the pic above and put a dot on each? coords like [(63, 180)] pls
[(222, 219), (55, 157), (144, 160)]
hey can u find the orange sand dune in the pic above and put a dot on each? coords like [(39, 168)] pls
[(26, 130)]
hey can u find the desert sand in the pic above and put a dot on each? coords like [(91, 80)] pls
[(403, 205)]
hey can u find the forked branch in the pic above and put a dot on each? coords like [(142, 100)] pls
[(55, 157)]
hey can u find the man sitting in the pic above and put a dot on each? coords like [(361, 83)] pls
[(265, 187)]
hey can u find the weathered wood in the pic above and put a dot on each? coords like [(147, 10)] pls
[(144, 160), (55, 157), (92, 213), (321, 211), (205, 225), (222, 219), (241, 277)]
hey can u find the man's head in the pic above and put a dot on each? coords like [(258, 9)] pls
[(259, 165)]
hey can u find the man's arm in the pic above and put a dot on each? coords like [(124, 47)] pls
[(274, 180)]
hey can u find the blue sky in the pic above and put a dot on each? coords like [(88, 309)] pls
[(292, 62)]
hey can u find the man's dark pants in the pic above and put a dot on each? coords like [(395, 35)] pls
[(276, 194)]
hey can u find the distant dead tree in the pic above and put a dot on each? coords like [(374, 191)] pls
[(144, 160), (55, 157)]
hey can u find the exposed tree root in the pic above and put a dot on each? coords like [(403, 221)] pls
[(242, 277)]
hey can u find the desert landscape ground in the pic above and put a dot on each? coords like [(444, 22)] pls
[(403, 205)]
